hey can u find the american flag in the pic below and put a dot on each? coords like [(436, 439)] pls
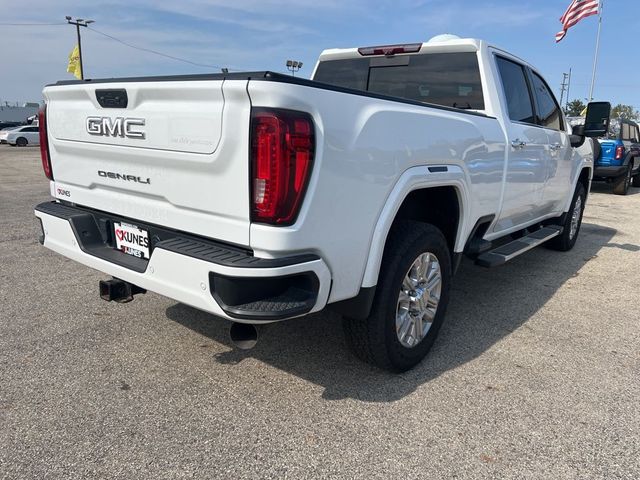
[(578, 10)]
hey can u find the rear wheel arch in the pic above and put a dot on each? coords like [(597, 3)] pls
[(446, 217), (628, 159), (408, 208), (447, 220)]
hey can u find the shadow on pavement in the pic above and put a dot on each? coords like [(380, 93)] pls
[(486, 305), (604, 187)]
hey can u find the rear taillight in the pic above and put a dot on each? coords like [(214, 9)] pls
[(44, 142), (619, 152), (282, 150), (390, 49)]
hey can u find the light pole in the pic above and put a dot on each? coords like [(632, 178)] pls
[(79, 22), (293, 66)]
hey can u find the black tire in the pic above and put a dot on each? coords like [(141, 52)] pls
[(374, 339), (566, 240), (635, 181), (21, 142), (597, 149), (621, 184)]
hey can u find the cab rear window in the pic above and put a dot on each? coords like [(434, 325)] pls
[(447, 79)]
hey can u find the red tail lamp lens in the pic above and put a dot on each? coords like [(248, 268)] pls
[(282, 151), (44, 142)]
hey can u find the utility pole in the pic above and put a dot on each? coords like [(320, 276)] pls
[(568, 88), (563, 86), (79, 22)]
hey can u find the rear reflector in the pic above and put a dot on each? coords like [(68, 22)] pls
[(619, 152), (44, 142), (390, 49), (282, 150)]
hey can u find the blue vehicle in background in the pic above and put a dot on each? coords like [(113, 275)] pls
[(619, 159)]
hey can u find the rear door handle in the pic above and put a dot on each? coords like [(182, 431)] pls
[(518, 144)]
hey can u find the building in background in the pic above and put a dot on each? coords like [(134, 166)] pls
[(17, 113)]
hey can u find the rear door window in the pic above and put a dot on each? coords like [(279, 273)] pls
[(447, 79), (516, 91), (549, 114)]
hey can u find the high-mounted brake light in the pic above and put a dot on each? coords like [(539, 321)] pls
[(390, 49), (44, 142), (619, 152), (282, 150)]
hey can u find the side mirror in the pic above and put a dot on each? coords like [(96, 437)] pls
[(596, 123), (577, 136)]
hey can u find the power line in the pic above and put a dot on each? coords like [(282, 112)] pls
[(30, 24), (155, 52), (148, 50)]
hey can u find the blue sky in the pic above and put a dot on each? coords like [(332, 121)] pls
[(262, 34)]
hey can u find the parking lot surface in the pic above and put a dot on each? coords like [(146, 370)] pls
[(536, 372)]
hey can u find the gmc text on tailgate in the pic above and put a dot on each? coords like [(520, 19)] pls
[(261, 197)]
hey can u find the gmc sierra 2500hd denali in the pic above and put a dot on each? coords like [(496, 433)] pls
[(261, 197)]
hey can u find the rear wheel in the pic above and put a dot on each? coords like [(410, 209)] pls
[(635, 181), (571, 226), (410, 302), (21, 142), (621, 184)]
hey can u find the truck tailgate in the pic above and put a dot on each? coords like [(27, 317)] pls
[(174, 154)]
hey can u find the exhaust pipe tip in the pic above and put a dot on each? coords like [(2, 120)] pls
[(243, 335)]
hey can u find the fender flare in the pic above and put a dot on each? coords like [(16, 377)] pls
[(415, 178), (588, 163)]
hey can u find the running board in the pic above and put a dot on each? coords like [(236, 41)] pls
[(504, 253)]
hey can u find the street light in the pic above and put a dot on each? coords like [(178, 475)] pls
[(79, 22), (293, 66)]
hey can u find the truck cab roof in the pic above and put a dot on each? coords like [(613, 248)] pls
[(435, 45), (439, 44)]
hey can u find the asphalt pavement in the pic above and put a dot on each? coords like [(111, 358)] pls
[(536, 372)]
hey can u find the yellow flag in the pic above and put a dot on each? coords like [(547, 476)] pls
[(583, 112), (74, 63)]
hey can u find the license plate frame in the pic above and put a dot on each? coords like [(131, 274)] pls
[(131, 240)]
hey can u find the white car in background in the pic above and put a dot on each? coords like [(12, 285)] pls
[(21, 136), (5, 131)]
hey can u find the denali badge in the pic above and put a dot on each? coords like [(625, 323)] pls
[(122, 176), (116, 127)]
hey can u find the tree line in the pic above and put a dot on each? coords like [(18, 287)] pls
[(575, 108)]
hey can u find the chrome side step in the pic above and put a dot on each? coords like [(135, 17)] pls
[(504, 253)]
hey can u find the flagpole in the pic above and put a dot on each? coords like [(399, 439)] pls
[(595, 59)]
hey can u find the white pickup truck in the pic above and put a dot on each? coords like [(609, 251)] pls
[(261, 197)]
